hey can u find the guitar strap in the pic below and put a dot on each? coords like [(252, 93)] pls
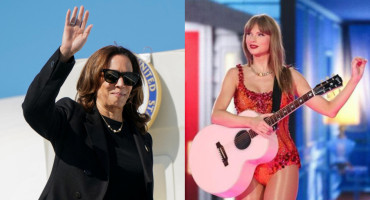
[(276, 98)]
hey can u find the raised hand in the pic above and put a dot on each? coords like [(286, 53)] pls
[(74, 35), (358, 68)]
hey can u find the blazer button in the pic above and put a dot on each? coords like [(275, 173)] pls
[(77, 195), (87, 172)]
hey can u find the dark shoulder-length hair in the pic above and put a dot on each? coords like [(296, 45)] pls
[(90, 81), (269, 26)]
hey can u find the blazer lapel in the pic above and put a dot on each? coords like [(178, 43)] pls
[(95, 130), (144, 156)]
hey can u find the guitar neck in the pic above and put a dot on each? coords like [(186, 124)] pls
[(320, 89), (288, 109)]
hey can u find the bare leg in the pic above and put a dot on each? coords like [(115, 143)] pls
[(283, 184), (253, 192)]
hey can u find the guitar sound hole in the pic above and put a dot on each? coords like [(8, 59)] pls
[(242, 139)]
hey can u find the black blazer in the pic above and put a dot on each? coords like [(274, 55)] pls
[(81, 164)]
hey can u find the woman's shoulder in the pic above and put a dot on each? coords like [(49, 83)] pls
[(234, 71), (231, 75), (297, 77), (67, 102), (293, 71), (70, 106)]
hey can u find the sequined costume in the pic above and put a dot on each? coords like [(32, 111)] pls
[(262, 103)]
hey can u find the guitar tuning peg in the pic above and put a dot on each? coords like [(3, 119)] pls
[(327, 78), (329, 95), (332, 74)]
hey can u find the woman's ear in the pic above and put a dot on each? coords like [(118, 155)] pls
[(101, 78)]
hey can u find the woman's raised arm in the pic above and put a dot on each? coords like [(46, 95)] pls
[(320, 104), (75, 34)]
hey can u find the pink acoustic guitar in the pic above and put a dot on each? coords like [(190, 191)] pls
[(222, 160)]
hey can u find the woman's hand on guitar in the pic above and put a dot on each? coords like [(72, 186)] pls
[(74, 35), (259, 125)]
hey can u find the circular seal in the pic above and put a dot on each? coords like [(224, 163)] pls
[(152, 91)]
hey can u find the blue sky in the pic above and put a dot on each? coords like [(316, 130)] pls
[(32, 30)]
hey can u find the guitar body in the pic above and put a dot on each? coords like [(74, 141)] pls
[(224, 167)]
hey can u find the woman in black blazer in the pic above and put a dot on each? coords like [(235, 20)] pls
[(102, 149)]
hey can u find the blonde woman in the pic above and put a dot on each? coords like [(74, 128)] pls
[(251, 86)]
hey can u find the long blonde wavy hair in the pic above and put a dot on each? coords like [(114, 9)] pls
[(268, 25)]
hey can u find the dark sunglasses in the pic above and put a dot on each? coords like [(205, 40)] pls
[(112, 76)]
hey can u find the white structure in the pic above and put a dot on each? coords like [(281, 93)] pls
[(26, 158)]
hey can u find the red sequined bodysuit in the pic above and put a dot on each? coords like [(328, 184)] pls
[(262, 103)]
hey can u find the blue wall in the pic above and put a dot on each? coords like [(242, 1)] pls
[(320, 52), (318, 36), (358, 45)]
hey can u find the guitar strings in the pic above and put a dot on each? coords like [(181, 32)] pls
[(239, 138)]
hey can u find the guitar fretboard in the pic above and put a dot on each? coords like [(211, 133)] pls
[(320, 89), (282, 113)]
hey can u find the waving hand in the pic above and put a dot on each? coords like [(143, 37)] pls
[(75, 34), (358, 68)]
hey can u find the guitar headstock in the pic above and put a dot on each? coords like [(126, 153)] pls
[(330, 84)]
